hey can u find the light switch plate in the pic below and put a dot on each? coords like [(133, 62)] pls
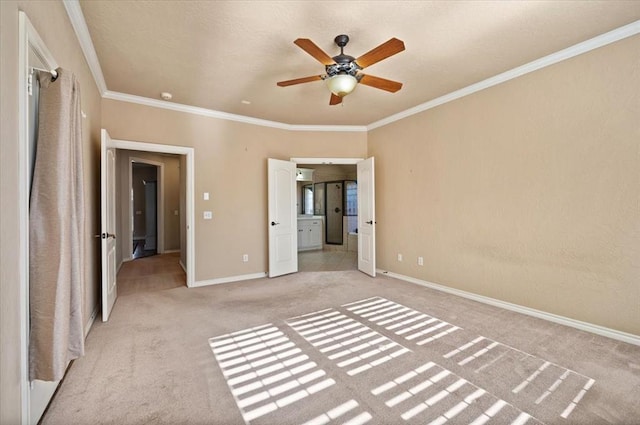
[(206, 196)]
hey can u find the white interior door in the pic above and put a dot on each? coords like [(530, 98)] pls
[(108, 224), (366, 217), (283, 223)]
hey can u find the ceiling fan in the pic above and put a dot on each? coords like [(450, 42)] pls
[(343, 71)]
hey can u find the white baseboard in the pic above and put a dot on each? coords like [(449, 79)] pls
[(229, 279), (92, 319), (183, 266), (584, 326)]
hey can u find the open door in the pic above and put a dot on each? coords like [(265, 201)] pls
[(108, 223), (366, 217), (283, 224)]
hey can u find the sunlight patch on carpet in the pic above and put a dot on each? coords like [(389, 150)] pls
[(482, 353), (265, 371), (450, 375), (350, 343)]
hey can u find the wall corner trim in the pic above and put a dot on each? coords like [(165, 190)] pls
[(564, 54), (74, 11), (229, 279), (562, 320)]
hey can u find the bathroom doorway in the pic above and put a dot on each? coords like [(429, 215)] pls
[(327, 198)]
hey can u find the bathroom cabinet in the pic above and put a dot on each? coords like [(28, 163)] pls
[(309, 234)]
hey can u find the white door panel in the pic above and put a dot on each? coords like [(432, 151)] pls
[(108, 224), (283, 230), (366, 217)]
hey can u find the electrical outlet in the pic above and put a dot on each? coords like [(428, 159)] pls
[(207, 215), (399, 257), (420, 261), (245, 258)]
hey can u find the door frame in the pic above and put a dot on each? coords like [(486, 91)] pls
[(190, 187), (159, 206)]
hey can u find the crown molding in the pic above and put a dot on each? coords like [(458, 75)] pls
[(568, 53), (123, 97), (82, 32)]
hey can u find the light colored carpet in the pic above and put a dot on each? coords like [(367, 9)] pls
[(151, 273), (340, 347)]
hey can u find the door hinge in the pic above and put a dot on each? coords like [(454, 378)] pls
[(30, 84)]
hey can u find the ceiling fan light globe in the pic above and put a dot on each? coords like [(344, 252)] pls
[(342, 84)]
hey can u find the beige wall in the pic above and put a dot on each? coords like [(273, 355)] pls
[(50, 20), (528, 192), (230, 164), (171, 199)]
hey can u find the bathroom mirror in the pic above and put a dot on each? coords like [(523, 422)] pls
[(307, 199)]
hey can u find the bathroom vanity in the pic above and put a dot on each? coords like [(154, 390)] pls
[(309, 233)]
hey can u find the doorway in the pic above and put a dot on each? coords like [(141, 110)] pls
[(144, 214), (333, 189), (185, 218)]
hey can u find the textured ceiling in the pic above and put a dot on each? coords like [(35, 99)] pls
[(215, 54)]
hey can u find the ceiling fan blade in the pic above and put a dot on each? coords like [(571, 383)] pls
[(335, 100), (381, 52), (380, 83), (311, 48), (299, 80)]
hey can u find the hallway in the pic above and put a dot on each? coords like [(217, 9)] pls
[(153, 273)]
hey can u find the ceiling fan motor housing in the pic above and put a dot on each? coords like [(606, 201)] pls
[(341, 40), (344, 64)]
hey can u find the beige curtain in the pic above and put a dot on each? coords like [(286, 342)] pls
[(56, 231)]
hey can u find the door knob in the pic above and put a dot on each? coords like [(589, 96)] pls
[(273, 223), (370, 222), (105, 236), (337, 210)]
